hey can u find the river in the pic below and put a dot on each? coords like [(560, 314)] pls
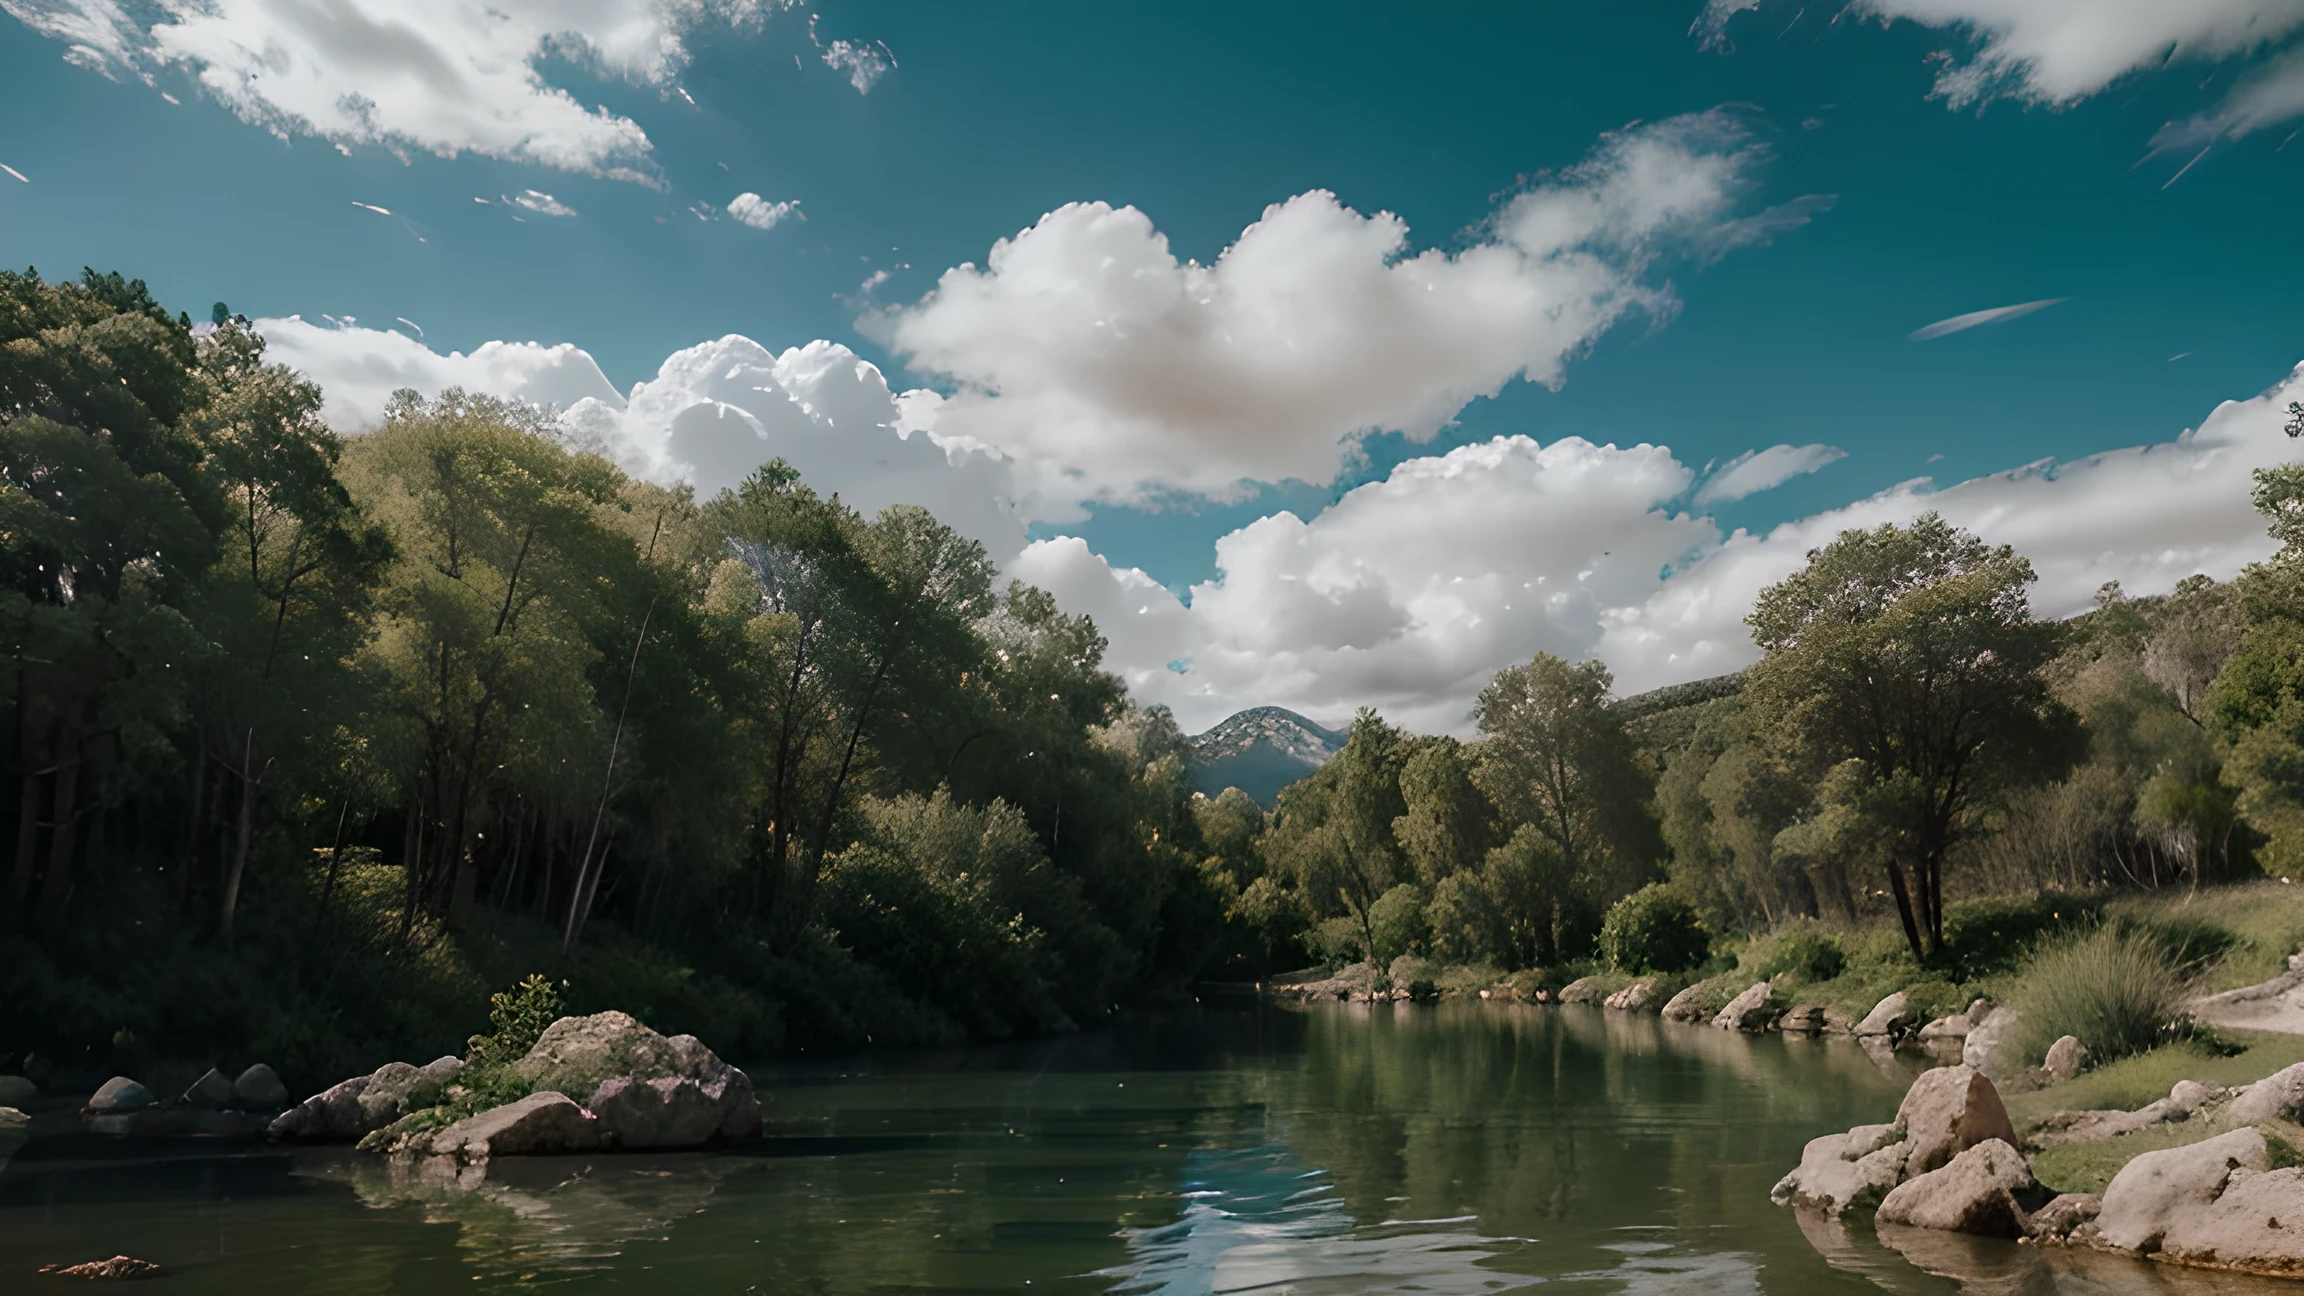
[(1457, 1148)]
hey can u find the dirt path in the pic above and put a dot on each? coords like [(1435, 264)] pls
[(2274, 1005)]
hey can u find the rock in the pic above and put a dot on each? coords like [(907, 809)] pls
[(259, 1089), (211, 1092), (2055, 1221), (1948, 1111), (539, 1124), (1585, 990), (1837, 1022), (396, 1089), (15, 1091), (15, 1127), (2065, 1058), (1643, 995), (2059, 1128), (1690, 1005), (1991, 1046), (1750, 1011), (330, 1116), (2157, 1191), (1841, 1172), (1980, 1191), (2189, 1096), (120, 1094), (2279, 1096), (582, 1054), (2255, 1225), (667, 1112), (119, 1266), (1806, 1019), (1891, 1016), (1979, 1008), (1953, 1027)]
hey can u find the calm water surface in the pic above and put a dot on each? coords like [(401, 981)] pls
[(1453, 1149)]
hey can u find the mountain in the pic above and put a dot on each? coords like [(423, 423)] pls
[(1260, 751)]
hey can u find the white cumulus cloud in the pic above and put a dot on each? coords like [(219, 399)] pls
[(441, 76), (1085, 349), (711, 415), (759, 213), (2062, 51)]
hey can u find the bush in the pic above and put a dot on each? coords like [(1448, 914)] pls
[(1809, 956), (2114, 988), (1653, 930), (519, 1016), (1994, 933), (1398, 920)]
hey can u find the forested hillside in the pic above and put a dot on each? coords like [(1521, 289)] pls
[(314, 740)]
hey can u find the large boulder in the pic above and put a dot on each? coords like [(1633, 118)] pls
[(2160, 1191), (1645, 994), (1990, 1045), (119, 1095), (259, 1089), (1891, 1016), (1753, 1010), (2255, 1225), (1984, 1190), (1842, 1172), (1948, 1111), (2279, 1096), (1585, 990), (539, 1124), (584, 1055)]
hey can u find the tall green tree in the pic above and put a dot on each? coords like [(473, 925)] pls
[(1913, 651), (1332, 832)]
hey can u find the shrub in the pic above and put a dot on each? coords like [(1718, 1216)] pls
[(1805, 954), (519, 1016), (1653, 930), (1993, 933), (2113, 987), (1397, 918)]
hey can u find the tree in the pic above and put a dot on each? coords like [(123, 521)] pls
[(1558, 761), (1332, 832), (1913, 651), (1447, 824)]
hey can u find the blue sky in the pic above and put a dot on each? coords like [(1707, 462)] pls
[(1927, 197)]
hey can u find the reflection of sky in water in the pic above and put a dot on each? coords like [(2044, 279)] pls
[(1253, 1222)]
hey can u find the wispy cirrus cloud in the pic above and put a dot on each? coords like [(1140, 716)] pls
[(1757, 470), (1961, 323)]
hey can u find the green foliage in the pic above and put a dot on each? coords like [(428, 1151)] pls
[(1396, 923), (1653, 930), (518, 1017), (2114, 987), (1992, 934), (1806, 955)]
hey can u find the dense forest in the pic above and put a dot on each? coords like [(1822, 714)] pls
[(315, 739)]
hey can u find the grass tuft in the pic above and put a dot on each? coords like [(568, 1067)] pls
[(2118, 988)]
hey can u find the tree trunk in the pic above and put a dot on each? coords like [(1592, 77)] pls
[(1904, 910), (56, 888), (243, 825)]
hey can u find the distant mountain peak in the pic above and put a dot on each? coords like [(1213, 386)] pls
[(1260, 751)]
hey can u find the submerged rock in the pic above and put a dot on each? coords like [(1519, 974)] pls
[(1982, 1191), (119, 1266)]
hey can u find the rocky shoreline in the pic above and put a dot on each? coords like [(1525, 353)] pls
[(601, 1083), (1952, 1161)]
